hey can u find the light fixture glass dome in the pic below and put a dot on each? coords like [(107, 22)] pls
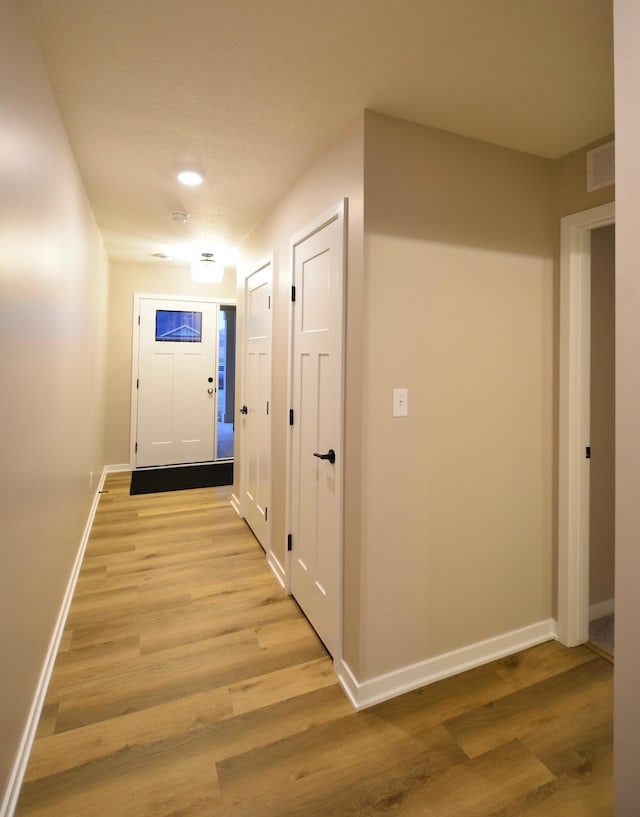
[(207, 270)]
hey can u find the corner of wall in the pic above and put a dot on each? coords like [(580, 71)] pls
[(364, 694)]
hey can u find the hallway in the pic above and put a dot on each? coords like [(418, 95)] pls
[(188, 684)]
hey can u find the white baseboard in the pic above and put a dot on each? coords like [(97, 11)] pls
[(277, 569), (603, 608), (117, 469), (363, 694), (235, 504), (12, 793)]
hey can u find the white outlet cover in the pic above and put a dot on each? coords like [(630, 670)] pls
[(401, 402)]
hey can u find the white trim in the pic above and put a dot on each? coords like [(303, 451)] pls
[(337, 213), (164, 296), (117, 469), (277, 569), (289, 445), (574, 405), (12, 792), (602, 609), (363, 694), (235, 504)]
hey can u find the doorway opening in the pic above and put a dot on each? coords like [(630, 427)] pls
[(573, 611), (226, 382), (602, 441)]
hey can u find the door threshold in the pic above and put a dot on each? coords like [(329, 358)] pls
[(598, 651)]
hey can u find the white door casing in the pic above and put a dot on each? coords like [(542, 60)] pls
[(256, 402), (316, 466), (574, 421), (174, 410)]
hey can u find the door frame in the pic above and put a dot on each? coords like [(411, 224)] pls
[(135, 350), (336, 213), (574, 420)]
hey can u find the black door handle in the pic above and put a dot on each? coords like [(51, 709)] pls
[(330, 455), (244, 410)]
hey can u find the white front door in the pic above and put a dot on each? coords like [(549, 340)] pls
[(316, 467), (256, 396), (176, 383)]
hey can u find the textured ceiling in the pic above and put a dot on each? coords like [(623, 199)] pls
[(250, 91)]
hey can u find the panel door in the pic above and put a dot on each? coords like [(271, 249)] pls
[(177, 382), (316, 468), (256, 409)]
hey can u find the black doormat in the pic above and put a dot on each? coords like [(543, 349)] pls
[(157, 480)]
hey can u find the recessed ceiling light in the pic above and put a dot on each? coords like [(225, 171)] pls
[(190, 178), (179, 215)]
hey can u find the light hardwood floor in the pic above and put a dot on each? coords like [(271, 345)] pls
[(187, 685)]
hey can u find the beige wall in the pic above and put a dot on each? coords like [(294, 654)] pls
[(457, 498), (602, 439), (335, 175), (127, 279), (450, 513), (627, 669), (53, 295)]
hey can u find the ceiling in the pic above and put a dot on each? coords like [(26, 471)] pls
[(251, 91)]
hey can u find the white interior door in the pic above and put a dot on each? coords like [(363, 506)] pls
[(316, 467), (176, 383), (256, 393)]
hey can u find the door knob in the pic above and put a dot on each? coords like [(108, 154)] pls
[(244, 410), (210, 391), (330, 455)]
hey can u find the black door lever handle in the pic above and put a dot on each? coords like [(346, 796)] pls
[(244, 410), (330, 455)]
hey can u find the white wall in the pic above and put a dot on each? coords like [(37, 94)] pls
[(53, 298)]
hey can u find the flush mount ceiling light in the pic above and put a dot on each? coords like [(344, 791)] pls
[(207, 270), (188, 252), (190, 177), (179, 215)]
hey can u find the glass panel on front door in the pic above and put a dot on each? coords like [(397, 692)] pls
[(178, 327)]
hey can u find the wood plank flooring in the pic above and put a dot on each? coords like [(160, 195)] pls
[(187, 685)]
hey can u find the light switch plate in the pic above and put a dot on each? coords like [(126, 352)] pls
[(400, 402)]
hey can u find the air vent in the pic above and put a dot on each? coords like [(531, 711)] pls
[(601, 167)]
